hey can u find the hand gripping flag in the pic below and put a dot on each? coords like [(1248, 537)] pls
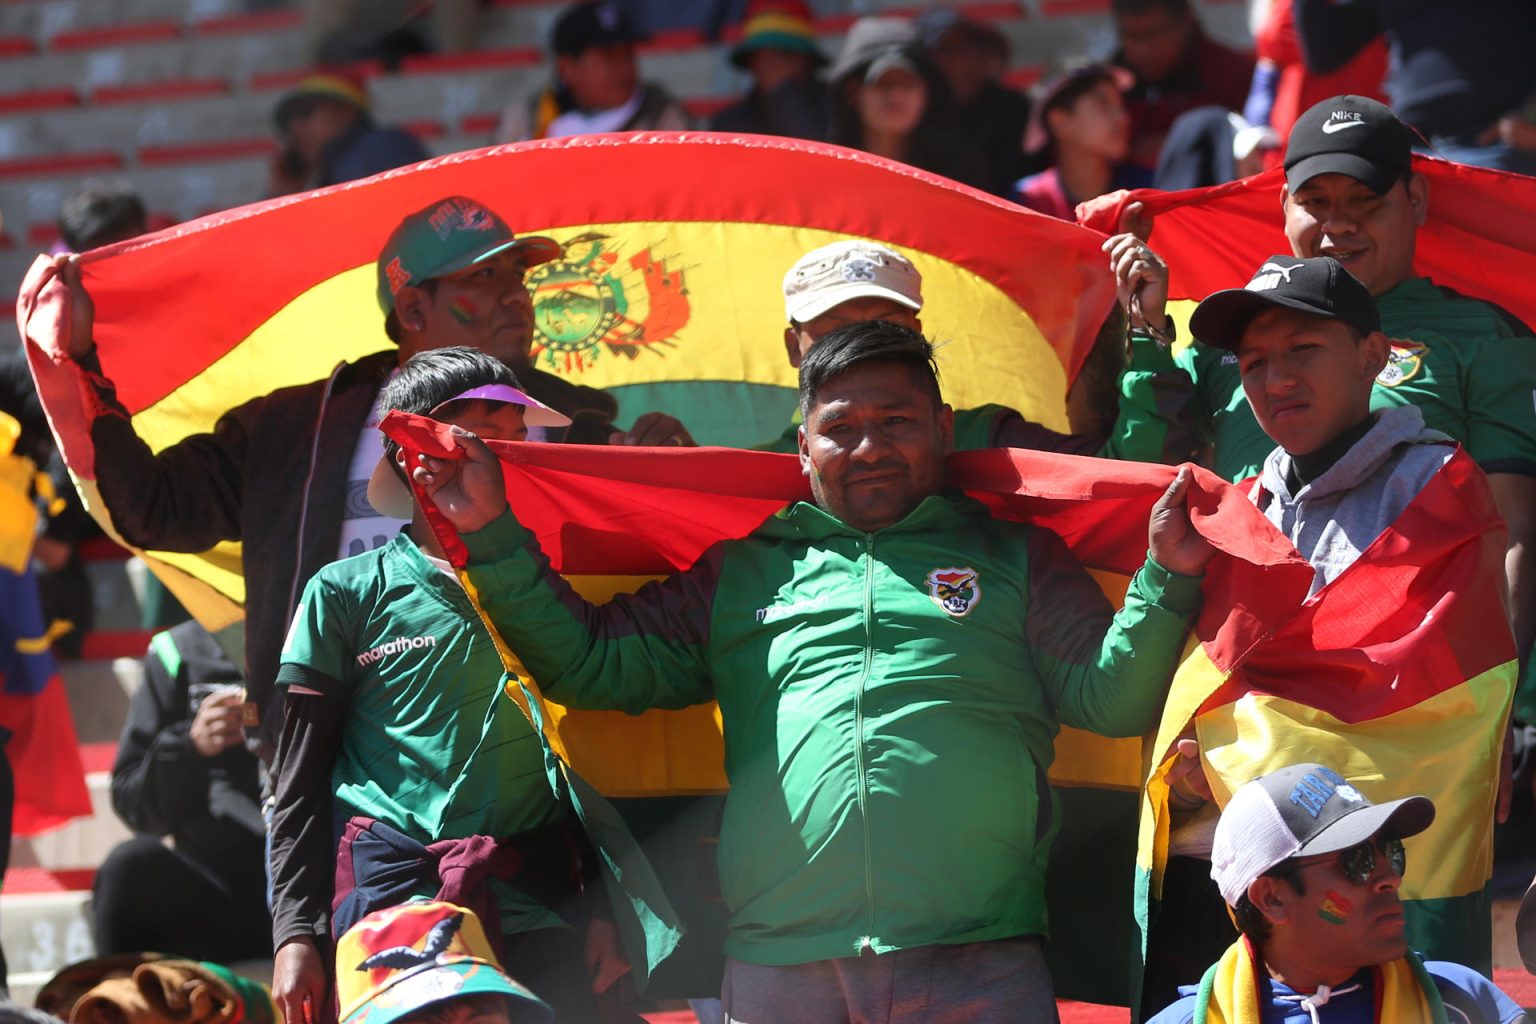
[(1479, 237), (667, 292)]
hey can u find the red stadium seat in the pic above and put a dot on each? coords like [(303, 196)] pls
[(61, 163), (260, 21), (116, 35), (512, 57), (479, 124), (277, 80), (199, 152), (17, 46), (174, 89), (38, 99)]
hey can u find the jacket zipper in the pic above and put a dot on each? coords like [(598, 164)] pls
[(858, 722)]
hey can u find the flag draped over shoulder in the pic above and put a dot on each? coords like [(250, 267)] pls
[(1399, 674), (1479, 237), (667, 292)]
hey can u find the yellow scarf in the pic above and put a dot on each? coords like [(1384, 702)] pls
[(1229, 992)]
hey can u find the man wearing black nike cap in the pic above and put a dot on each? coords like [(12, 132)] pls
[(1310, 870), (1470, 367)]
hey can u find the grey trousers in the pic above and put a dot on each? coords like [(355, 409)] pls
[(999, 982)]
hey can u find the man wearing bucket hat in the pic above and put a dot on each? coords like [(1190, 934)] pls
[(778, 49), (329, 136), (396, 726), (451, 273), (1310, 871), (427, 962)]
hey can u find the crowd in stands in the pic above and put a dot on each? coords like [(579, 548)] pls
[(396, 835)]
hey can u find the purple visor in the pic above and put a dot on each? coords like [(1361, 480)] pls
[(537, 415)]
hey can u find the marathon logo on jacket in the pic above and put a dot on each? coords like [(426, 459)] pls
[(399, 645), (956, 591), (1403, 364)]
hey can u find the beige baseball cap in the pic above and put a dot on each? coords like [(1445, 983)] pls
[(851, 269)]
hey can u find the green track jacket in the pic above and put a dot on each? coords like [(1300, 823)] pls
[(889, 702)]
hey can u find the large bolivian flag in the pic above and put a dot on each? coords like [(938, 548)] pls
[(609, 519), (1479, 236), (667, 291)]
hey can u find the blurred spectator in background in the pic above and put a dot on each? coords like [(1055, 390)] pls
[(1283, 86), (1462, 74), (778, 48), (329, 137), (1177, 68), (1081, 129), (597, 83), (889, 100), (95, 216), (183, 771), (1212, 145), (345, 31), (972, 55)]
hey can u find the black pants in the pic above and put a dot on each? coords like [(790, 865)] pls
[(148, 897)]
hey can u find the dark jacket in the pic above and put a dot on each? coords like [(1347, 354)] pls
[(272, 474), (162, 786), (366, 150), (800, 110)]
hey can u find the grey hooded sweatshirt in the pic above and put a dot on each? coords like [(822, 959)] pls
[(1335, 517)]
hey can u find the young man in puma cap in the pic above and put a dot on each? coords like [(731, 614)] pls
[(1308, 344), (1351, 193), (1310, 871), (857, 280)]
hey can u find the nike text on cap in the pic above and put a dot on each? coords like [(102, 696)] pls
[(1349, 135), (1301, 811), (1319, 286)]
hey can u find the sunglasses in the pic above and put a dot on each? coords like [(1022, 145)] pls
[(1359, 862)]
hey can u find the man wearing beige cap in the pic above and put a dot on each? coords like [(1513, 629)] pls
[(856, 280)]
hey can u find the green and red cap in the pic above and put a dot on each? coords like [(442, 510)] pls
[(450, 235)]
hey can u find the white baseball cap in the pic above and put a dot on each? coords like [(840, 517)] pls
[(851, 269), (1300, 811)]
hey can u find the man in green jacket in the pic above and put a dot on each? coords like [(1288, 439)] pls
[(891, 665)]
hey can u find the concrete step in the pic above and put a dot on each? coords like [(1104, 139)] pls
[(42, 932), (42, 21), (83, 843)]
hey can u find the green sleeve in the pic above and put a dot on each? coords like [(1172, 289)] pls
[(1156, 399), (1105, 671), (1500, 404), (638, 651), (319, 651)]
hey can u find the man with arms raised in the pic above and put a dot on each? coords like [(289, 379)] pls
[(878, 654), (450, 274)]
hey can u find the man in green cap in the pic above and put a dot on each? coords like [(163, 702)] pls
[(450, 274)]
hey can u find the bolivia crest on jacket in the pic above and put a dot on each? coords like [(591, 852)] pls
[(954, 590)]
